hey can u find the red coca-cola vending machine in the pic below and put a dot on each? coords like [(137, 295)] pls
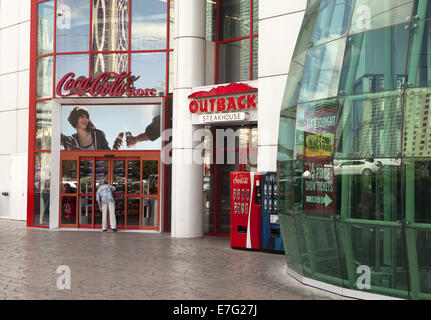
[(245, 210)]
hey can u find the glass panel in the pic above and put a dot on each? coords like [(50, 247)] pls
[(119, 210), (44, 74), (370, 126), (369, 189), (315, 129), (149, 25), (423, 245), (110, 25), (254, 61), (234, 61), (171, 73), (86, 176), (68, 210), (319, 250), (73, 25), (45, 27), (419, 67), (133, 181), (211, 17), (102, 167), (375, 61), (234, 18), (208, 198), (109, 62), (119, 176), (85, 210), (381, 249), (150, 181), (333, 20), (69, 176), (290, 242), (255, 16), (322, 71), (43, 126), (149, 212), (98, 216), (286, 138), (151, 69), (417, 126), (418, 189), (77, 63), (42, 178), (171, 24), (133, 211), (369, 14), (422, 10)]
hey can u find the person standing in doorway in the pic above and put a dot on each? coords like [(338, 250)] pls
[(105, 199)]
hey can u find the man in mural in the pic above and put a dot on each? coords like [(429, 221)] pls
[(105, 199), (152, 132)]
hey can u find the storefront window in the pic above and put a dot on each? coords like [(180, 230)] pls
[(171, 23), (76, 63), (149, 25), (375, 61), (153, 66), (44, 75), (73, 25), (255, 16), (370, 15), (43, 125), (255, 56), (110, 25), (211, 18), (234, 19), (109, 62), (42, 179), (322, 71), (333, 20), (45, 27), (234, 61)]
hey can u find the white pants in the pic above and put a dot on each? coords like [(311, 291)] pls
[(112, 220)]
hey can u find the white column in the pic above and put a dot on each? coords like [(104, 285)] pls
[(279, 25), (189, 68)]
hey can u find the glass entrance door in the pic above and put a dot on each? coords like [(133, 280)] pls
[(136, 190)]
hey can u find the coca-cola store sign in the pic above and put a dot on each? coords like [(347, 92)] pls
[(106, 84)]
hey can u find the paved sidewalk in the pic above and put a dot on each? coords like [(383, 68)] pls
[(139, 266)]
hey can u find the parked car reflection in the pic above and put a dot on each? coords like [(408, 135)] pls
[(355, 167)]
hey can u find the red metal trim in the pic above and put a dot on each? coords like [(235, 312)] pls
[(232, 88), (234, 39), (54, 49)]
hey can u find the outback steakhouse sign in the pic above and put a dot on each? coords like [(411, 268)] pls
[(231, 98), (106, 84)]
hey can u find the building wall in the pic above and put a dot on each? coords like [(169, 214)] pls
[(14, 105), (279, 25)]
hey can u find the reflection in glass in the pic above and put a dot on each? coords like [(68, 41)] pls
[(423, 244), (234, 61), (86, 176), (43, 126), (153, 66), (45, 27), (149, 212), (68, 210), (42, 179), (119, 211), (286, 140), (171, 74), (422, 10), (44, 74), (369, 14), (417, 126), (149, 25), (150, 170), (322, 71), (370, 126), (76, 63), (254, 61), (85, 209), (211, 17), (171, 24), (419, 67), (375, 61), (73, 19), (133, 211), (333, 20), (102, 167), (255, 16), (418, 189), (109, 62), (133, 183), (110, 25), (69, 176), (234, 19)]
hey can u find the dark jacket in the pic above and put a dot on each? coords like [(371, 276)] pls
[(153, 129), (99, 141)]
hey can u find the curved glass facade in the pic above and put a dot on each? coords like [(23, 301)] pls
[(354, 154)]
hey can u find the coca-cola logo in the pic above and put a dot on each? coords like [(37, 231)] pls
[(106, 84), (240, 180)]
